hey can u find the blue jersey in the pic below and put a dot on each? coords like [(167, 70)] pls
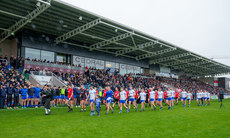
[(109, 94), (98, 102), (37, 91), (24, 91)]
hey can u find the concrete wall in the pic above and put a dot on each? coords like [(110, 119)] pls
[(34, 40), (9, 48), (209, 80)]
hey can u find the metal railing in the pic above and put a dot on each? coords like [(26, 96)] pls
[(55, 80)]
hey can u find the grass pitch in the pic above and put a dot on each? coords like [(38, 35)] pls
[(209, 121)]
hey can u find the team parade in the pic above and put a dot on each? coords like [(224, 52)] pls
[(125, 98)]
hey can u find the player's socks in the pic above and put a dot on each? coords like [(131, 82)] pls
[(160, 108), (141, 110), (151, 109), (189, 105), (112, 111), (136, 109), (144, 109), (120, 111)]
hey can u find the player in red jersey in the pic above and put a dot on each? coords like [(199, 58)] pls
[(116, 98), (165, 96), (69, 101), (104, 95), (156, 97), (176, 96), (127, 93), (136, 95)]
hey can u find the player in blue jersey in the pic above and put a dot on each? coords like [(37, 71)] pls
[(123, 97), (160, 97), (131, 98), (183, 97), (189, 97), (152, 98), (37, 91), (109, 95), (91, 96), (198, 98), (98, 104), (169, 98), (24, 92), (142, 96), (205, 94)]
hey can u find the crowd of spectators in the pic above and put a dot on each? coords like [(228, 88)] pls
[(11, 77)]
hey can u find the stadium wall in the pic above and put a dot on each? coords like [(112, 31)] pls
[(37, 41), (9, 48)]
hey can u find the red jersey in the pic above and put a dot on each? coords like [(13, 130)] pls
[(127, 92), (116, 94), (136, 93), (177, 94), (104, 93), (70, 92), (156, 95), (165, 95)]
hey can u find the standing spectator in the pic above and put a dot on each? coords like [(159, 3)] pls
[(3, 92), (16, 96), (9, 96)]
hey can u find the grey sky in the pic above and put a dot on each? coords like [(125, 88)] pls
[(201, 26)]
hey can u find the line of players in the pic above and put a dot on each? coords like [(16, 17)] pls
[(126, 98)]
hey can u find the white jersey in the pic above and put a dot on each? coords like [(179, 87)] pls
[(209, 96), (205, 94), (92, 94), (152, 95), (201, 94), (143, 95), (160, 95), (198, 95), (169, 94), (189, 96), (122, 95), (183, 94), (173, 93), (131, 93)]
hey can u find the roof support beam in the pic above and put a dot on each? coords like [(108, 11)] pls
[(169, 58), (96, 49), (78, 30), (141, 46), (12, 14), (109, 41), (155, 53), (174, 63), (22, 22)]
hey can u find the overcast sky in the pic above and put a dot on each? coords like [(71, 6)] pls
[(201, 26)]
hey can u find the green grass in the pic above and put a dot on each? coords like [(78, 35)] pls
[(209, 121)]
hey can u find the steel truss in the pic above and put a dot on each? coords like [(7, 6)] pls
[(109, 41), (76, 31), (22, 22), (141, 46), (169, 58)]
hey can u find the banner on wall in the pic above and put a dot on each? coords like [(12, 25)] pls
[(99, 64), (79, 60), (122, 69), (164, 69)]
